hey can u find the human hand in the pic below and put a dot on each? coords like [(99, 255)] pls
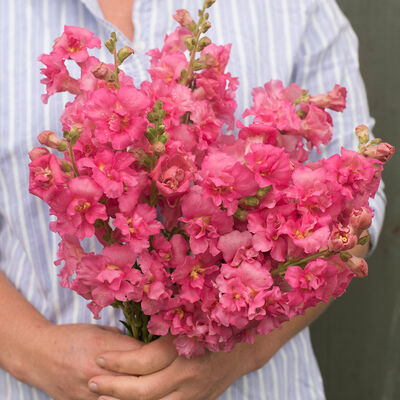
[(160, 374), (63, 358)]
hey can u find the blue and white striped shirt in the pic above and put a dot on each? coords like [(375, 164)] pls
[(305, 41)]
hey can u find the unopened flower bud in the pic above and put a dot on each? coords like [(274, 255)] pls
[(209, 3), (164, 137), (203, 43), (207, 60), (66, 167), (241, 215), (362, 132), (206, 26), (189, 43), (124, 53), (101, 71), (358, 266), (75, 133), (250, 201), (184, 19), (382, 152), (50, 139), (264, 191), (110, 45), (157, 106), (361, 219), (158, 148), (161, 128), (141, 157), (151, 117), (37, 152), (151, 134)]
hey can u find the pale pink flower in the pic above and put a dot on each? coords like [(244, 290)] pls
[(382, 151), (334, 99)]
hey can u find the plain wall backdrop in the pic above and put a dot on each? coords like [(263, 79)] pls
[(357, 341)]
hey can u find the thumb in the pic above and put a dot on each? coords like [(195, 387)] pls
[(150, 358)]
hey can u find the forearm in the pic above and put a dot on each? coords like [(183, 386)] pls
[(20, 326)]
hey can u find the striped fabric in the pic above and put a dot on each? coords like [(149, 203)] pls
[(304, 41)]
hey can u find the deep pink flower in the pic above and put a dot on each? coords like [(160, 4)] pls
[(204, 222), (226, 181), (273, 106), (271, 164), (138, 226), (342, 238), (118, 117), (57, 78), (316, 282), (45, 176), (111, 171), (173, 175), (78, 208), (74, 42), (316, 127)]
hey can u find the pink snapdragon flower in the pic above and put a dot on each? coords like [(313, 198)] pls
[(270, 164), (316, 282), (57, 78), (361, 219), (118, 117), (273, 106), (226, 181), (78, 208), (155, 292), (316, 126), (382, 151), (342, 238), (111, 171), (173, 175), (204, 222), (138, 226), (45, 176), (334, 99), (74, 42)]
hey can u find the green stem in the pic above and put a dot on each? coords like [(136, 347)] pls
[(116, 84), (301, 262), (72, 157), (188, 77)]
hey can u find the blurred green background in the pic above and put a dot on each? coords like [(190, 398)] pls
[(357, 341)]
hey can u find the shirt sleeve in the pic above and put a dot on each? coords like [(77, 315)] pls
[(328, 55)]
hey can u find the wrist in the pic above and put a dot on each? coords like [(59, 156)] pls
[(29, 353)]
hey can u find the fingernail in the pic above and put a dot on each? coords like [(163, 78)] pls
[(100, 362), (93, 387)]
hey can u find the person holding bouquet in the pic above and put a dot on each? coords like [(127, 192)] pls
[(48, 348)]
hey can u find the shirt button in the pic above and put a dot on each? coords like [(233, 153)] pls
[(140, 47)]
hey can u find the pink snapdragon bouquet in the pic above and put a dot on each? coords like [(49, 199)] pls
[(209, 237)]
